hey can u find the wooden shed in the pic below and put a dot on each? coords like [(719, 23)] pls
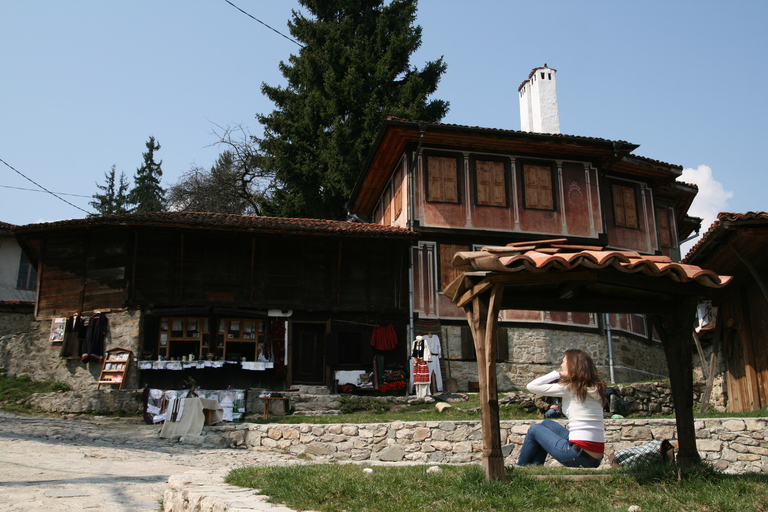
[(737, 244)]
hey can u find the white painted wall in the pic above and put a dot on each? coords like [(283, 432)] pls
[(10, 255)]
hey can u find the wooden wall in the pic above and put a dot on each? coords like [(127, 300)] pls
[(169, 267), (745, 347)]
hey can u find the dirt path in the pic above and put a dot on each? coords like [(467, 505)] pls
[(54, 464)]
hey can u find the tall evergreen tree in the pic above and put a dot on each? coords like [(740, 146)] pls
[(114, 199), (147, 194), (352, 72)]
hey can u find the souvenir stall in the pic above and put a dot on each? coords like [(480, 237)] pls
[(215, 359)]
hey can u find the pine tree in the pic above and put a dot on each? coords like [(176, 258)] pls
[(114, 200), (352, 72), (147, 194)]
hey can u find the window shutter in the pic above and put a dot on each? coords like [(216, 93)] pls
[(618, 206), (538, 187), (447, 272), (443, 179), (483, 173), (499, 195), (491, 183), (624, 206), (665, 236), (630, 207)]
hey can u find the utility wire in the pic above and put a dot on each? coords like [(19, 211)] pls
[(35, 190), (42, 187), (270, 28)]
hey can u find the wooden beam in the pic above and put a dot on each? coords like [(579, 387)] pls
[(674, 327), (482, 316), (468, 296), (700, 350)]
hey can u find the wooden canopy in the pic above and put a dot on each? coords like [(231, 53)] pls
[(551, 275)]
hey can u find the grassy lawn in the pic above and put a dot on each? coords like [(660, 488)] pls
[(464, 489)]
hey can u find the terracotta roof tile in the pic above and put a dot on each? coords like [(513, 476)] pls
[(521, 257), (224, 222), (722, 218)]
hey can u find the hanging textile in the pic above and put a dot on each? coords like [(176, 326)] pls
[(95, 334), (74, 335), (378, 371), (427, 327), (384, 338), (433, 342)]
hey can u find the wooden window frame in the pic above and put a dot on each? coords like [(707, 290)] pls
[(26, 278), (459, 157), (524, 186), (474, 159), (623, 188)]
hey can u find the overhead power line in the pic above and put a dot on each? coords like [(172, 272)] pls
[(270, 28), (42, 187), (43, 191)]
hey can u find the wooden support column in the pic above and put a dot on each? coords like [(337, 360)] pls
[(482, 314), (674, 327)]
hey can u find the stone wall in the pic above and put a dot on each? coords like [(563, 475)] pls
[(30, 352), (536, 351), (733, 445)]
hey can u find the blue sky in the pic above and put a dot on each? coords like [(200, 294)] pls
[(85, 83)]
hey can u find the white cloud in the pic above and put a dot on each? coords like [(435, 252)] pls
[(711, 199)]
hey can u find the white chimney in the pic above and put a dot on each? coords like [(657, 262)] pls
[(538, 102)]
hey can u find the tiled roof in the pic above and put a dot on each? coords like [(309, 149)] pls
[(722, 218), (506, 131), (224, 222), (556, 256), (4, 226)]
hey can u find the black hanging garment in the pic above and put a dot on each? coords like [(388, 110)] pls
[(93, 346), (74, 334)]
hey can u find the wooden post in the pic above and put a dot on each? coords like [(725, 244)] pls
[(700, 350), (482, 315), (674, 327)]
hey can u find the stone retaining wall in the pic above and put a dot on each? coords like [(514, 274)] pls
[(734, 445), (30, 352)]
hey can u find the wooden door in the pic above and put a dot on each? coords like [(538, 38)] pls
[(308, 357)]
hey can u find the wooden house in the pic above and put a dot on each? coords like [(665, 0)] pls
[(463, 187), (271, 301), (736, 244)]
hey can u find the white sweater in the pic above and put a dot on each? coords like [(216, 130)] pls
[(585, 419)]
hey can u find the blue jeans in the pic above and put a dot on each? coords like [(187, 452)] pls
[(550, 437)]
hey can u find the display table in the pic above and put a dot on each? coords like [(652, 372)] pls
[(196, 413)]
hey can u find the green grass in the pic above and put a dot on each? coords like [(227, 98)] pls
[(14, 391), (464, 489)]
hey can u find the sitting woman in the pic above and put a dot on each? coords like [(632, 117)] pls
[(583, 395)]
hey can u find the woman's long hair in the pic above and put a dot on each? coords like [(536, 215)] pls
[(582, 374)]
